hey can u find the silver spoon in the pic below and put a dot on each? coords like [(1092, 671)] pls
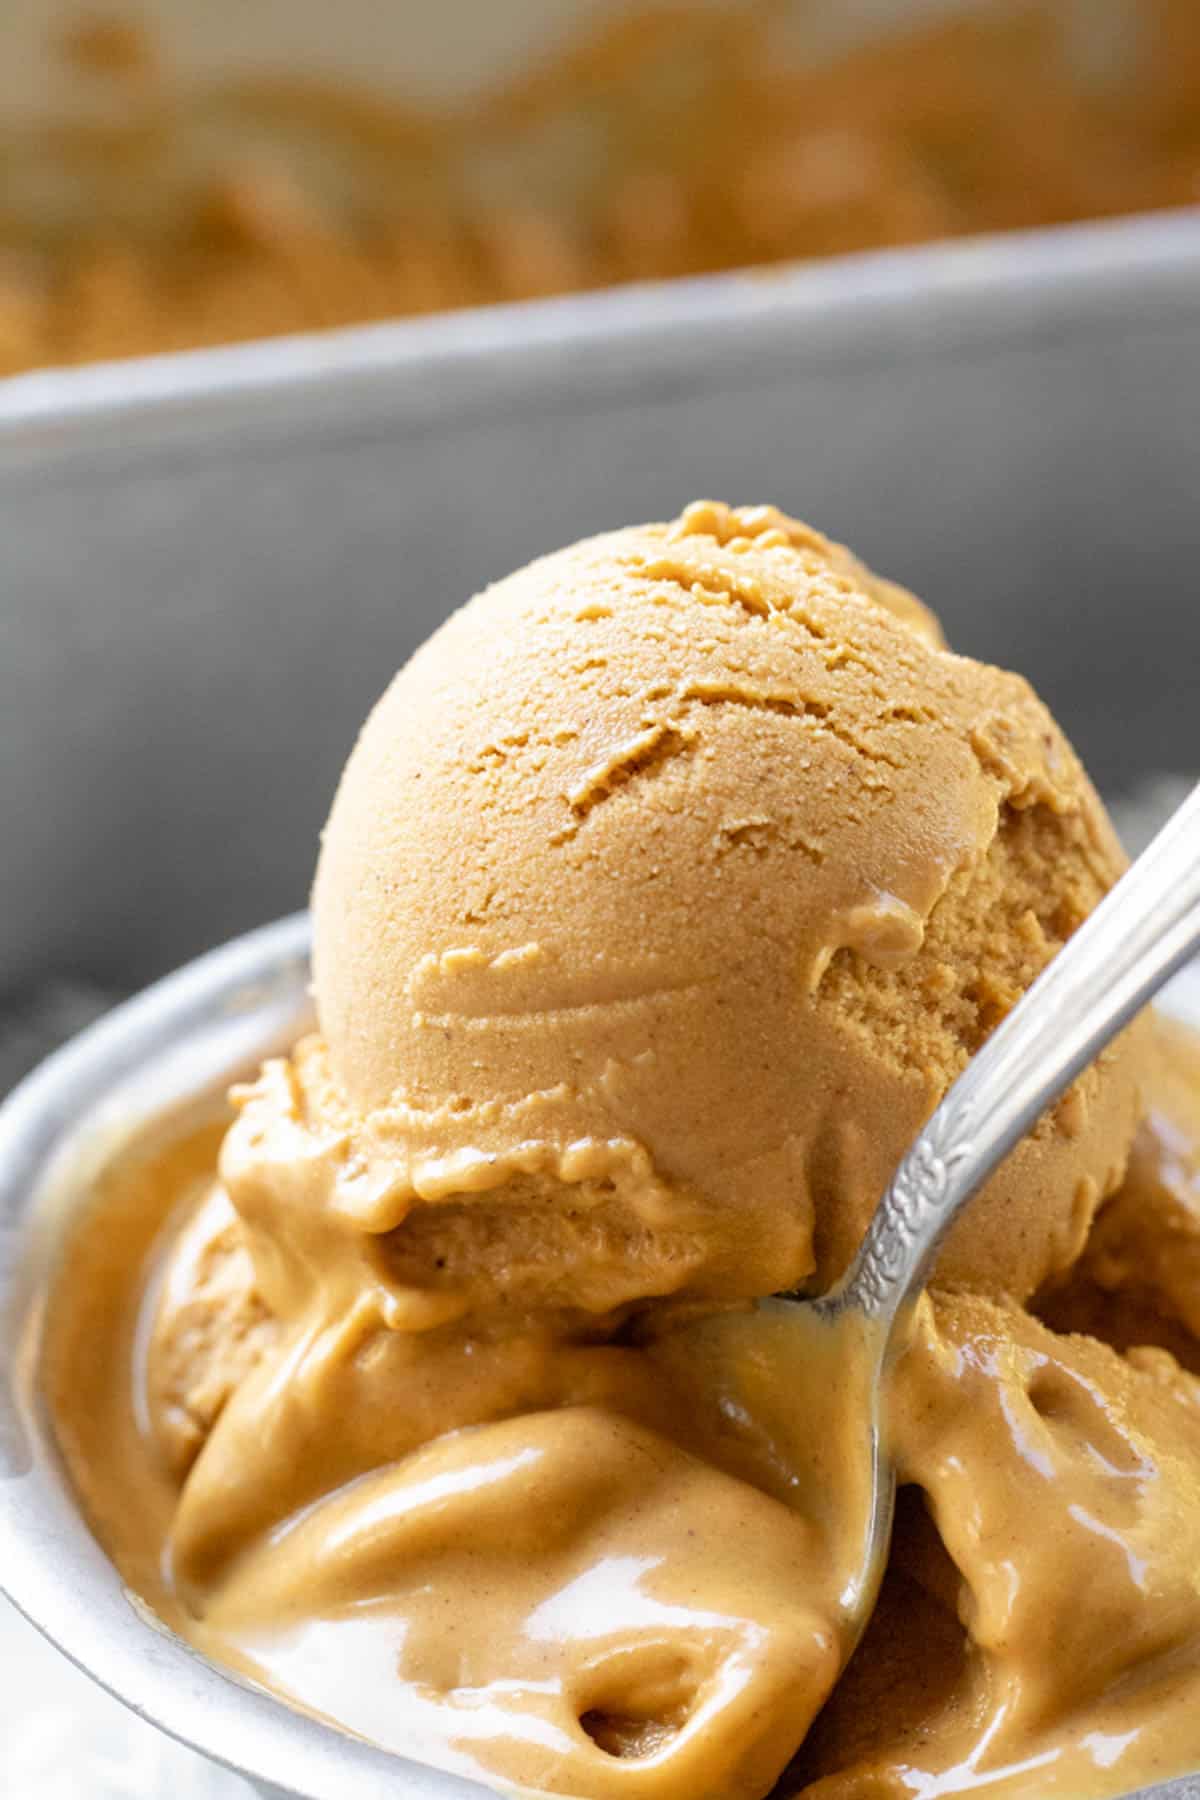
[(827, 1416)]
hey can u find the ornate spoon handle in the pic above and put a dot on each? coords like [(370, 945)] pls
[(1139, 935)]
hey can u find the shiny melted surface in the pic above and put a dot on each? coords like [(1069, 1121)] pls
[(606, 1562)]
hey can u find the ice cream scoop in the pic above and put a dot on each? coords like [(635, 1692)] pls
[(842, 1345), (666, 891)]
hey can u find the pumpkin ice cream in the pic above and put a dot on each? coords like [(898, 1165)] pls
[(652, 858), (666, 890)]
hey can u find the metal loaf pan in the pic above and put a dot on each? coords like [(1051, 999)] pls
[(212, 563)]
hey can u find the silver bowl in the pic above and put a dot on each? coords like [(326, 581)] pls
[(172, 1049)]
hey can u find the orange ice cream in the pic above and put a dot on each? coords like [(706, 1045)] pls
[(733, 839), (665, 892)]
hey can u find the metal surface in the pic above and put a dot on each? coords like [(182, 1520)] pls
[(178, 1043), (212, 563)]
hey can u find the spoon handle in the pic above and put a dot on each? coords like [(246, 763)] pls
[(1139, 935)]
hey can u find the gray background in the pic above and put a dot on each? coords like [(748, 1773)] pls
[(210, 571)]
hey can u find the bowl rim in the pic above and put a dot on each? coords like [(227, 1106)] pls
[(224, 1009), (185, 1034)]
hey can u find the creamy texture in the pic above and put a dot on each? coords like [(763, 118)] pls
[(665, 892), (1053, 1642), (600, 1585), (649, 859), (1138, 1281)]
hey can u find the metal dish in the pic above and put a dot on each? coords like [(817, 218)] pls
[(174, 1047)]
